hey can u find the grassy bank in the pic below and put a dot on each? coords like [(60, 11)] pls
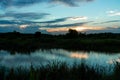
[(59, 71), (30, 42)]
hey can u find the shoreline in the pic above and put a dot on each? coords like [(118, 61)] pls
[(31, 42)]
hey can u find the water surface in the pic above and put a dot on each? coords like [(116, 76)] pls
[(48, 55)]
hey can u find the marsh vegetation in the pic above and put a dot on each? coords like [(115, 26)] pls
[(59, 71), (15, 41)]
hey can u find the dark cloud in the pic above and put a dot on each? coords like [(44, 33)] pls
[(67, 25), (17, 22), (24, 16), (21, 21), (55, 21), (28, 18), (21, 3), (110, 21), (18, 3), (32, 26), (7, 22), (108, 30), (10, 28), (64, 19), (70, 2)]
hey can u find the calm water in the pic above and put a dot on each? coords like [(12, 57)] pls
[(45, 56)]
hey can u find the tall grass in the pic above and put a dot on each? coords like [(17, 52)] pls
[(58, 71)]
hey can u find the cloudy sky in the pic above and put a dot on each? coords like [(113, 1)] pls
[(57, 16)]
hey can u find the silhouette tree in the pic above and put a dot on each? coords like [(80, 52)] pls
[(13, 34), (37, 34), (72, 33)]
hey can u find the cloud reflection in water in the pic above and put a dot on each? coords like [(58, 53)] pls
[(79, 55), (44, 56)]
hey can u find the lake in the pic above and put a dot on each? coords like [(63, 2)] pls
[(44, 56)]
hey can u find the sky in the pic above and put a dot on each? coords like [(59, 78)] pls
[(58, 16)]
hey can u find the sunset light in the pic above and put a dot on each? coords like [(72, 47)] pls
[(59, 39), (79, 55), (59, 16)]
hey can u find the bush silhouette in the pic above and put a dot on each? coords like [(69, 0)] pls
[(37, 34), (72, 33)]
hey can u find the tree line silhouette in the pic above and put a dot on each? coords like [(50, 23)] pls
[(16, 41), (72, 33)]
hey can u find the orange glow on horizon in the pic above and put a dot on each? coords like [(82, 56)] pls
[(78, 28), (58, 29)]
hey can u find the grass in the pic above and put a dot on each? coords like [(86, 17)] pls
[(17, 42), (31, 44), (59, 71)]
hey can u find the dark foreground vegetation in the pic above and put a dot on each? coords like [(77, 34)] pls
[(15, 41), (60, 71)]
